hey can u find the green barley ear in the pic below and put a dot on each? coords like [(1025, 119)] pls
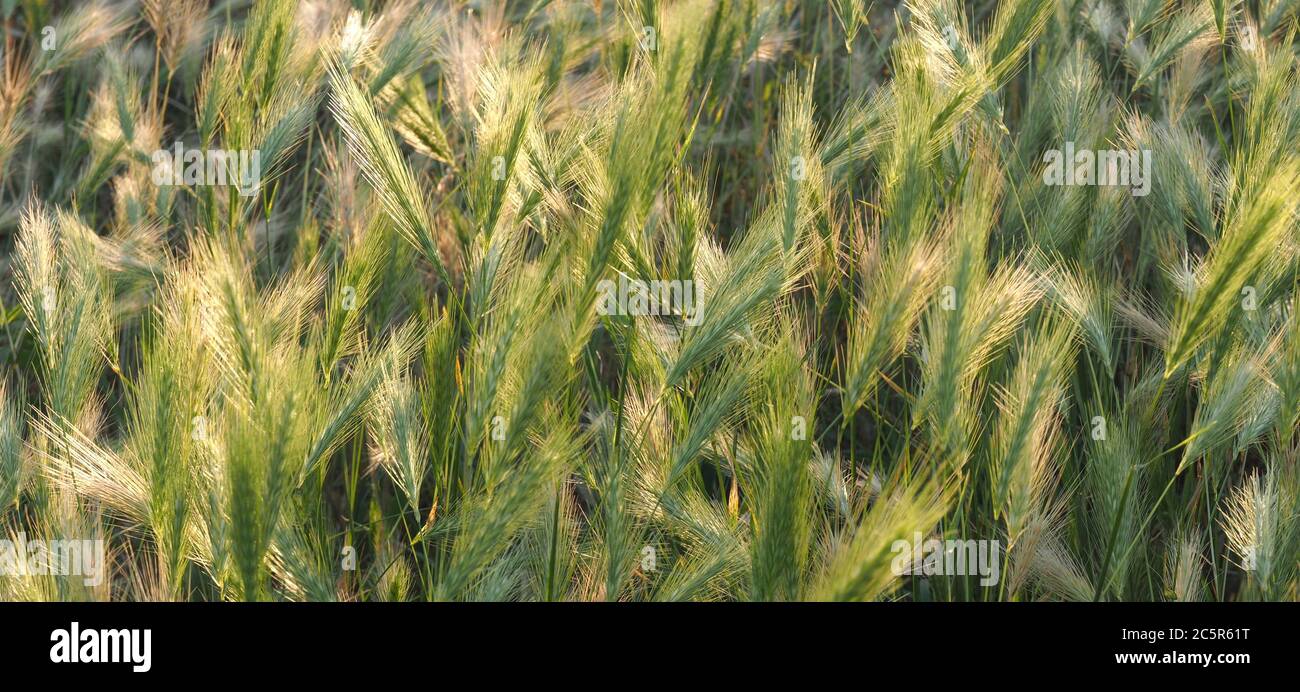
[(270, 425), (1016, 26), (352, 295), (13, 472), (752, 276), (179, 29), (65, 298), (708, 570), (503, 580), (79, 32), (36, 274), (1183, 580), (1259, 522), (408, 38), (491, 522), (340, 415), (967, 327), (500, 172), (714, 407), (641, 136), (401, 443), (799, 179), (414, 119), (940, 26), (1286, 374), (1090, 304), (441, 396), (1223, 10), (775, 253), (1273, 17), (77, 465), (922, 116), (166, 424), (267, 53), (1226, 405), (896, 293), (782, 491), (1041, 531), (61, 518), (485, 372), (302, 563), (372, 144), (553, 550), (216, 88), (1246, 246), (1182, 187), (1026, 437), (1058, 575), (530, 385), (1116, 485), (17, 83), (851, 17), (616, 533), (864, 565), (396, 583), (705, 541), (1177, 32), (120, 128), (261, 90)]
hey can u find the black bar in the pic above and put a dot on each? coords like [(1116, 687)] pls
[(327, 640)]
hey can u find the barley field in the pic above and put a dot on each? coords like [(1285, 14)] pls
[(632, 300)]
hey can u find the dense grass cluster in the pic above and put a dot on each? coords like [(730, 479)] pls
[(390, 369)]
